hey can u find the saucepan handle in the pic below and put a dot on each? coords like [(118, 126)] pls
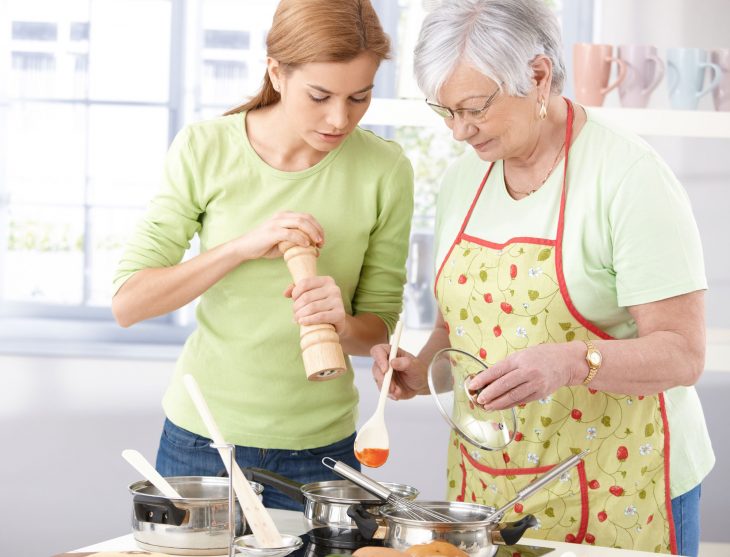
[(157, 510), (511, 532), (367, 522), (288, 487)]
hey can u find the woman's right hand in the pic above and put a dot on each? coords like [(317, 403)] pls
[(287, 226), (409, 374)]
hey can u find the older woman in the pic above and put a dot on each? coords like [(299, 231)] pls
[(570, 263)]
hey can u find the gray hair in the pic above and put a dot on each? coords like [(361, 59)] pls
[(499, 38)]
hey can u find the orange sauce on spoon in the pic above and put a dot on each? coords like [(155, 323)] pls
[(372, 458)]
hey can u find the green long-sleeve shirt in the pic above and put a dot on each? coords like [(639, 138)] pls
[(245, 350)]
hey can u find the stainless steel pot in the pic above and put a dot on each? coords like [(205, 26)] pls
[(326, 503), (473, 530), (196, 524)]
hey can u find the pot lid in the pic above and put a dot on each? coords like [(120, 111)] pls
[(450, 372), (461, 514), (345, 492)]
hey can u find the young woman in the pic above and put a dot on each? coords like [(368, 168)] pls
[(289, 165)]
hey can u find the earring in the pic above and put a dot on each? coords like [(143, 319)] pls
[(543, 110)]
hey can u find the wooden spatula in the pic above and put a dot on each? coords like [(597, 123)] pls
[(262, 525)]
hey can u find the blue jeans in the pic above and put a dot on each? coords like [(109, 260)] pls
[(183, 453), (686, 513)]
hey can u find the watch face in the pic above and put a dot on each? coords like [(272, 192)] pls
[(594, 358)]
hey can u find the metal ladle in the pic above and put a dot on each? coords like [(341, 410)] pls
[(539, 483)]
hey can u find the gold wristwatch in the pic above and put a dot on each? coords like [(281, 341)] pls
[(594, 359)]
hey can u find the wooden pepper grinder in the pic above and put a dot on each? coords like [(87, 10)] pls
[(321, 350)]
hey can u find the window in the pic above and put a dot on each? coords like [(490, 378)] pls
[(91, 94)]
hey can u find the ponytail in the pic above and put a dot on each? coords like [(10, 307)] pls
[(266, 96)]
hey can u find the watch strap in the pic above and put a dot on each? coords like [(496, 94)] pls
[(592, 368)]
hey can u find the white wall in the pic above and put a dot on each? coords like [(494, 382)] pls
[(702, 165)]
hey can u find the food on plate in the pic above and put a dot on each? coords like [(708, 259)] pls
[(436, 547), (374, 551)]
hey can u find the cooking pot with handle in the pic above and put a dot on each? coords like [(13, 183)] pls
[(473, 528), (195, 524), (326, 503)]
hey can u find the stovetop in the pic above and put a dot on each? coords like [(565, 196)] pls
[(345, 542)]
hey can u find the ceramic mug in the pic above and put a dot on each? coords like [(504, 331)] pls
[(644, 71), (721, 93), (686, 75), (592, 70)]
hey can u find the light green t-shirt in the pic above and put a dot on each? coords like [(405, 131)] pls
[(245, 350), (629, 238)]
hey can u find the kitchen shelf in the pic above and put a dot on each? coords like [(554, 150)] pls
[(643, 121)]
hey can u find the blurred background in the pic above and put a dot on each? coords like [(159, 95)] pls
[(91, 94)]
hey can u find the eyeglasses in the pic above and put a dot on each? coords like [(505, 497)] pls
[(469, 115)]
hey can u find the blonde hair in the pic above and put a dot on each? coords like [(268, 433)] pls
[(304, 31)]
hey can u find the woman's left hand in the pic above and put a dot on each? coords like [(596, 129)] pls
[(527, 375), (317, 300)]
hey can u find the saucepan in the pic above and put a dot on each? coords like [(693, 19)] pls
[(470, 527), (195, 524), (473, 528), (326, 503)]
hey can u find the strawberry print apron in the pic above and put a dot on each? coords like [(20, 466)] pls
[(498, 298)]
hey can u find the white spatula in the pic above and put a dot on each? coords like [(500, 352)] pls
[(372, 444), (142, 465), (262, 525)]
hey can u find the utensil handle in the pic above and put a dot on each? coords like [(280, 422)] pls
[(262, 525), (541, 482), (392, 353), (142, 465), (158, 511), (290, 488), (358, 478)]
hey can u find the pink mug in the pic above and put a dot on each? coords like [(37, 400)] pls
[(644, 71), (592, 70), (721, 93)]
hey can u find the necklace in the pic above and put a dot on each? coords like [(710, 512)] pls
[(533, 190)]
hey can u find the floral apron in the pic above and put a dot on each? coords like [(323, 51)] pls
[(500, 298)]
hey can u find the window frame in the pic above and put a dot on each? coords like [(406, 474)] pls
[(80, 331), (30, 328)]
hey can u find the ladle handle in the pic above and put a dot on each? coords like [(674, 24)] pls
[(540, 482), (392, 353), (359, 479)]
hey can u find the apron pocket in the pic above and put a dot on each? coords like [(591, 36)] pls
[(560, 506)]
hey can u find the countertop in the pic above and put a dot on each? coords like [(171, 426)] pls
[(290, 522)]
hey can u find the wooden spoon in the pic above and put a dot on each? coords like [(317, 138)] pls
[(371, 444), (142, 465), (262, 525)]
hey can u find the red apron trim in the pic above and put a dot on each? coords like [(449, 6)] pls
[(559, 239), (463, 226), (463, 477), (520, 239), (503, 471), (583, 481), (668, 493)]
